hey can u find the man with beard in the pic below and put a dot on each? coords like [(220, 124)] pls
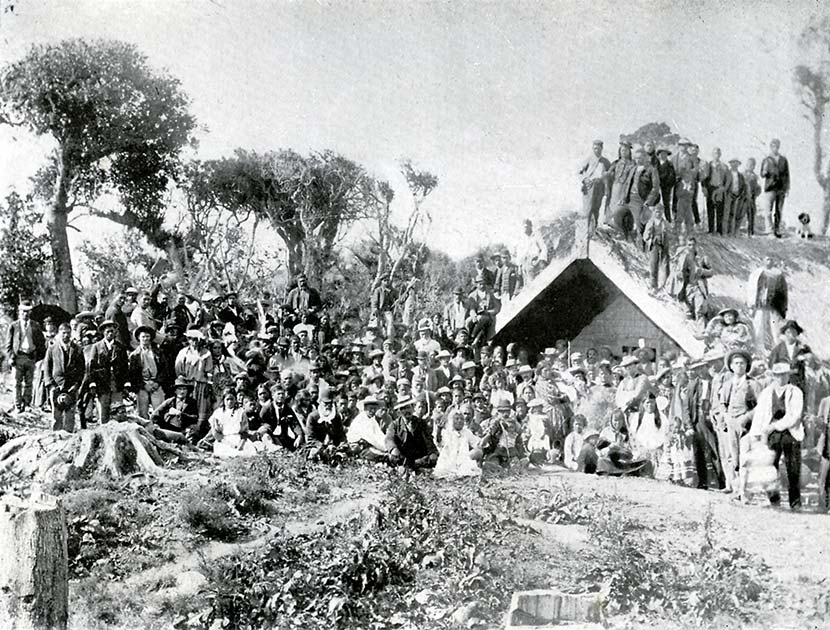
[(409, 440), (325, 429)]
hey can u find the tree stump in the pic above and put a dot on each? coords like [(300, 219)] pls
[(113, 450), (33, 574)]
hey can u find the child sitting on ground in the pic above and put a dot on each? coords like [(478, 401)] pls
[(537, 439)]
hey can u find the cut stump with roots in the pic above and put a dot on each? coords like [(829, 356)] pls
[(113, 450)]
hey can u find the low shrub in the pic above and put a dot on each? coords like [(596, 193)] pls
[(208, 516)]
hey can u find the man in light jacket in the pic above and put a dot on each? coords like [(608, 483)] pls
[(777, 421)]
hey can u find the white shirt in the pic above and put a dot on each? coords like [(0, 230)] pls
[(26, 331), (573, 445)]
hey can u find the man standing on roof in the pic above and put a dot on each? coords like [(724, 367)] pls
[(593, 172), (643, 193), (506, 277), (775, 170), (531, 253), (716, 181), (617, 182), (668, 177)]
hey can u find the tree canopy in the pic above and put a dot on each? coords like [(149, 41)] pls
[(118, 128)]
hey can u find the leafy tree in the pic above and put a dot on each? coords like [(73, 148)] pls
[(658, 133), (24, 252), (812, 83), (118, 127), (310, 201), (116, 262)]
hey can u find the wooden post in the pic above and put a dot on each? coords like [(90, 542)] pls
[(34, 589)]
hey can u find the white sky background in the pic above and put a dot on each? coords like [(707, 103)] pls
[(500, 100)]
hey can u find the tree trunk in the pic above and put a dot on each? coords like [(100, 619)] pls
[(56, 219), (825, 211), (33, 578)]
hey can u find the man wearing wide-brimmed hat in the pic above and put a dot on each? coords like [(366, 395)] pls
[(176, 417), (778, 420), (25, 346), (107, 370), (146, 371), (794, 352), (737, 399), (408, 439)]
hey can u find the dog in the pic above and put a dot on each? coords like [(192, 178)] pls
[(804, 230)]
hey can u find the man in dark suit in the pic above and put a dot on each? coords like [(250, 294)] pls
[(25, 345), (63, 373), (108, 368), (794, 352), (775, 170)]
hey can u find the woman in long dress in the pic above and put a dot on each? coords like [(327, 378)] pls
[(649, 432), (229, 428), (195, 363)]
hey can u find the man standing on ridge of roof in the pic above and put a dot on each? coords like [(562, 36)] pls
[(593, 172), (716, 181), (775, 170), (531, 253)]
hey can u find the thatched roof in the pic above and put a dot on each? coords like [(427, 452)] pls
[(806, 264)]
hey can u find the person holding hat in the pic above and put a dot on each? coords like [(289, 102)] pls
[(146, 369), (408, 439), (618, 182), (592, 174), (737, 399), (734, 206), (25, 346), (794, 352), (63, 374), (778, 421), (108, 370), (531, 254), (195, 363), (176, 417), (668, 180)]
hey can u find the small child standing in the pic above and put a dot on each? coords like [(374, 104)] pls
[(677, 464)]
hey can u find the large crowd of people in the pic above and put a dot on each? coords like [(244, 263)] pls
[(239, 380), (430, 390)]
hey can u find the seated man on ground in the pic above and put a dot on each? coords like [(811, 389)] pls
[(501, 444), (175, 420), (586, 461), (409, 439), (460, 452), (365, 437), (325, 429)]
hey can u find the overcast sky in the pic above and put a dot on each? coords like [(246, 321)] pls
[(500, 100)]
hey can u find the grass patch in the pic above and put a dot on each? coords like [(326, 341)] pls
[(208, 516)]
